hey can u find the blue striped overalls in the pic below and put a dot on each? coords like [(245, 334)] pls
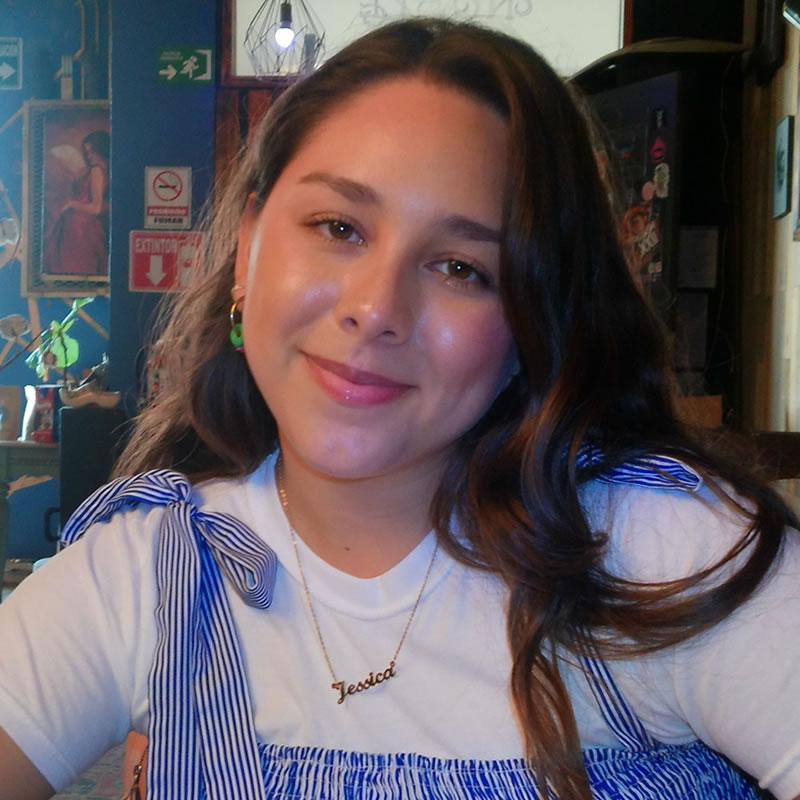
[(203, 742)]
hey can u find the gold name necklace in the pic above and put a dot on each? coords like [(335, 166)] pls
[(343, 688)]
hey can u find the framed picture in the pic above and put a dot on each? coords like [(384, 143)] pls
[(782, 178), (66, 198)]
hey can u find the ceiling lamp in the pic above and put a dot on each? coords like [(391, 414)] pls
[(284, 38)]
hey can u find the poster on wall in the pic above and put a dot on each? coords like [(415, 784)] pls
[(168, 197), (66, 197)]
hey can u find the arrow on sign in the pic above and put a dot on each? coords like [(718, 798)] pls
[(156, 272), (170, 72), (6, 71)]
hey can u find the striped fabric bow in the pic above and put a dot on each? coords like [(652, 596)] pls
[(202, 738), (653, 470)]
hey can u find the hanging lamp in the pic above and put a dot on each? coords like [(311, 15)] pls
[(284, 38)]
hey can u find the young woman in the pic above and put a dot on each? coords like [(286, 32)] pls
[(417, 518)]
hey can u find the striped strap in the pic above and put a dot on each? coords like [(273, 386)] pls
[(202, 739), (654, 471), (616, 711)]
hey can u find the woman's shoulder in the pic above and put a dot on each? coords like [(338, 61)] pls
[(248, 498), (667, 532), (138, 503)]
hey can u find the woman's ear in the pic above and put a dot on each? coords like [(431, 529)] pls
[(246, 232)]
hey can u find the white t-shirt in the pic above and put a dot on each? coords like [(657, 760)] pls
[(78, 639)]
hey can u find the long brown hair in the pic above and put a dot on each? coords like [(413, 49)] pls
[(594, 371)]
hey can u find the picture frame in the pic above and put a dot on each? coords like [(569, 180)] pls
[(782, 176), (796, 180), (65, 198)]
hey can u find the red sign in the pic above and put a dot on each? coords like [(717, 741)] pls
[(161, 261)]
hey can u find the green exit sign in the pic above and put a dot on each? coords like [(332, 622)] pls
[(10, 63), (185, 65)]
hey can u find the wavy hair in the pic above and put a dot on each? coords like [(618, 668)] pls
[(594, 371)]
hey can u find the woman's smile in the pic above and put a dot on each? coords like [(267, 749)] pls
[(354, 387)]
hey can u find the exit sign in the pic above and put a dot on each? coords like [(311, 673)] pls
[(185, 65), (10, 62)]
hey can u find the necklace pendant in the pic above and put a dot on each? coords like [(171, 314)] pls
[(372, 680)]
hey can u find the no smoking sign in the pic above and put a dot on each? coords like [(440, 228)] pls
[(168, 185), (168, 197)]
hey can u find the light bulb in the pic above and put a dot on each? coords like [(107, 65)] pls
[(284, 37)]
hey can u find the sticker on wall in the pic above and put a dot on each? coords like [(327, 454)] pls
[(185, 65), (782, 177), (161, 261), (10, 62), (168, 197)]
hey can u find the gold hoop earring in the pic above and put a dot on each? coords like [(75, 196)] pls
[(236, 334)]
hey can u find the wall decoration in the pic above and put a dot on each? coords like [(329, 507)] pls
[(10, 62), (782, 178), (168, 197), (795, 172), (66, 198)]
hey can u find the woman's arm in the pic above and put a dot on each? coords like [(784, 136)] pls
[(78, 639), (21, 780), (97, 187)]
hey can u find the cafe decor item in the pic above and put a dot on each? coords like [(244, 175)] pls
[(39, 423), (57, 350), (65, 172)]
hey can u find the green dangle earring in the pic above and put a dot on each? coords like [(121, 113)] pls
[(236, 335)]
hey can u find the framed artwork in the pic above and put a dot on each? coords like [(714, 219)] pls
[(782, 178), (66, 198), (795, 172)]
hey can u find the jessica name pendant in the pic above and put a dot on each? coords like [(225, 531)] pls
[(342, 688)]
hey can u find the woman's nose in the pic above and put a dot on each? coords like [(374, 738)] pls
[(377, 298)]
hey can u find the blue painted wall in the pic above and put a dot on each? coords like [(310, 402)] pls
[(153, 124)]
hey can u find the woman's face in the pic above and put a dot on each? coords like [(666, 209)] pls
[(90, 156), (372, 319)]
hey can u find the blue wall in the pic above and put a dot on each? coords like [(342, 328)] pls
[(153, 124)]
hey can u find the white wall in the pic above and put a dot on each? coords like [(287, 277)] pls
[(569, 33)]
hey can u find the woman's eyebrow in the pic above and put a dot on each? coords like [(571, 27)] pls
[(356, 192), (467, 228), (351, 190)]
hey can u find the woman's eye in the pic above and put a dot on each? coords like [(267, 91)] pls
[(460, 271), (338, 230)]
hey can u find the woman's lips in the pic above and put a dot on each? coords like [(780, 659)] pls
[(353, 387)]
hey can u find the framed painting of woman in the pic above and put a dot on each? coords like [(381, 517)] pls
[(66, 198)]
